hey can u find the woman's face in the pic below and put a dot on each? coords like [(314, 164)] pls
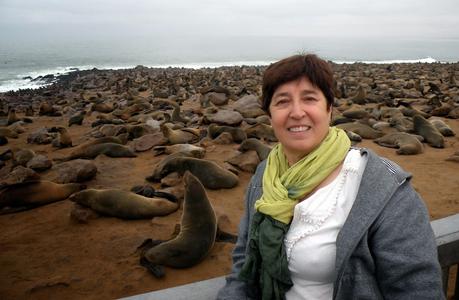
[(300, 117)]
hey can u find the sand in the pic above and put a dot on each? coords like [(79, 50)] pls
[(44, 254)]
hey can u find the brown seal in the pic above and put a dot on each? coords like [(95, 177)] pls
[(64, 139), (192, 150), (406, 143), (431, 134), (363, 130), (444, 129), (77, 118), (261, 131), (110, 146), (237, 133), (176, 114), (30, 194), (179, 136), (198, 229), (12, 117), (124, 204), (209, 173), (255, 144)]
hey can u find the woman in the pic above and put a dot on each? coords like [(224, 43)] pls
[(324, 220)]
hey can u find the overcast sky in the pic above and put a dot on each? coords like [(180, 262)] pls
[(323, 18)]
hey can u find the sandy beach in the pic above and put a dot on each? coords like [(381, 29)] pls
[(47, 254)]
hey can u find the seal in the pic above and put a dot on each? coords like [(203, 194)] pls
[(176, 113), (77, 118), (198, 229), (7, 132), (444, 129), (406, 143), (363, 130), (431, 134), (110, 146), (26, 195), (124, 204), (210, 174), (178, 136), (261, 131), (237, 133), (255, 144), (191, 150), (12, 117), (64, 139)]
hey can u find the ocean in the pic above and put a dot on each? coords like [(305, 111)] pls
[(22, 61)]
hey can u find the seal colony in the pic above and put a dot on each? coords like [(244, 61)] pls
[(133, 127)]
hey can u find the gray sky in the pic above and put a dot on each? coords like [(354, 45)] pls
[(329, 18)]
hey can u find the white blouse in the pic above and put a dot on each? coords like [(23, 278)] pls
[(311, 240)]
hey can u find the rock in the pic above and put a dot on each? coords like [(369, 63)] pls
[(224, 117), (248, 106), (78, 170), (39, 163), (148, 141), (40, 136)]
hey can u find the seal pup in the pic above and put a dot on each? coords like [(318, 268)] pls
[(64, 139), (26, 195), (124, 204), (210, 174), (406, 143), (198, 229), (431, 134)]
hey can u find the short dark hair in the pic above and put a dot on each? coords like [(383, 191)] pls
[(315, 69)]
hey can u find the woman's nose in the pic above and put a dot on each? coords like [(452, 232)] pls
[(297, 110)]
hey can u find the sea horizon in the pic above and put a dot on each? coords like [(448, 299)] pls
[(23, 61)]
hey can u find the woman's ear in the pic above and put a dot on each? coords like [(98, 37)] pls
[(330, 114)]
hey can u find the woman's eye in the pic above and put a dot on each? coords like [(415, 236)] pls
[(281, 101)]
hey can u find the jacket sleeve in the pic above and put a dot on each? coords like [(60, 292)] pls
[(235, 288), (405, 250)]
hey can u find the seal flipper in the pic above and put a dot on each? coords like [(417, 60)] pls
[(156, 270), (148, 244), (226, 237)]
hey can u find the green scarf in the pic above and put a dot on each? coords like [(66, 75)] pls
[(266, 266)]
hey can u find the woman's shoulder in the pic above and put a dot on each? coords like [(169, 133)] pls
[(257, 178), (379, 165)]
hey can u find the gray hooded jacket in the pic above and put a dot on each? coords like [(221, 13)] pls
[(386, 248)]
